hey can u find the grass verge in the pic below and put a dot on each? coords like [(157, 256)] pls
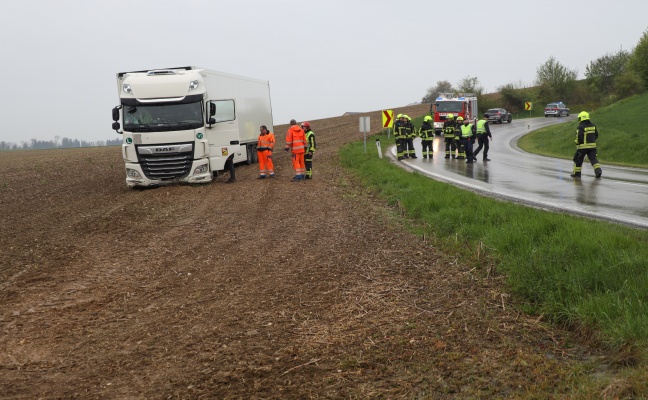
[(586, 274)]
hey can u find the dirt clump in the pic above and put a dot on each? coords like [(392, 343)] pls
[(258, 289)]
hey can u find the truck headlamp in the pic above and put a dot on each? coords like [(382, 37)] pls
[(131, 173), (200, 170), (127, 88), (193, 85)]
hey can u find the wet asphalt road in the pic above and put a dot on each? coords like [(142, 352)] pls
[(621, 195)]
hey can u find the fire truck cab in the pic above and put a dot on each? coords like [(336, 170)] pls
[(458, 104)]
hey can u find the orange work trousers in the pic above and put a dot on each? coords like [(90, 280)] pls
[(266, 166), (298, 164)]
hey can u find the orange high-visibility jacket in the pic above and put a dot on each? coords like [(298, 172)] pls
[(266, 142), (296, 139)]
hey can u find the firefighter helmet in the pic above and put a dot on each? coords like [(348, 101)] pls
[(450, 116), (583, 116), (407, 117), (305, 125), (427, 118), (460, 118), (399, 116)]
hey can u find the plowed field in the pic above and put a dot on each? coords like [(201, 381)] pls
[(258, 289)]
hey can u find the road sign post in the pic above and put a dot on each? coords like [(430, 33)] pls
[(388, 120), (528, 106), (364, 127)]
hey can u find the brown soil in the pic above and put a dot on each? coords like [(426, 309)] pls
[(259, 289)]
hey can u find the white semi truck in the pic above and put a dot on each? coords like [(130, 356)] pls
[(182, 124)]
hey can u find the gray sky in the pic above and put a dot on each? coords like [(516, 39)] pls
[(322, 58)]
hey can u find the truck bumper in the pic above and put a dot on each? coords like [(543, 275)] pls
[(135, 176)]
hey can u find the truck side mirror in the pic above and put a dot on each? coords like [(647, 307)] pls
[(212, 121), (115, 114), (116, 126), (212, 111)]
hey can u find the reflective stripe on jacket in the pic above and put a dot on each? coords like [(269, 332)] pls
[(310, 141), (427, 131), (449, 129), (466, 131), (266, 142), (402, 129), (296, 139), (586, 135), (481, 126)]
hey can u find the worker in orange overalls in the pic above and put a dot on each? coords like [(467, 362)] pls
[(265, 145), (296, 142)]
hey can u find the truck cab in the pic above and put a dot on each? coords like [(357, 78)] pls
[(182, 124)]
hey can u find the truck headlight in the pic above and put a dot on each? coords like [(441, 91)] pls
[(127, 88), (131, 173), (193, 85), (200, 170)]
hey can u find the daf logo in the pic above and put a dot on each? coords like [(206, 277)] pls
[(160, 149)]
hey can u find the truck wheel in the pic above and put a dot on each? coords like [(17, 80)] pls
[(252, 156)]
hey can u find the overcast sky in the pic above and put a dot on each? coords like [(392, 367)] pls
[(322, 58)]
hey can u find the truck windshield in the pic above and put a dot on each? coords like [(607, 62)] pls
[(449, 106), (163, 117)]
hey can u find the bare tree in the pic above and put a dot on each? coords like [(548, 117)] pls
[(470, 84), (433, 92)]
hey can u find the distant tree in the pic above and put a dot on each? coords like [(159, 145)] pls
[(555, 81), (628, 84), (513, 96), (470, 84), (433, 92), (639, 59), (113, 142), (602, 72)]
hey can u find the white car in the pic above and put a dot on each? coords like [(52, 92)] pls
[(557, 109)]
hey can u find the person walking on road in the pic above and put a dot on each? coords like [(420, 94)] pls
[(586, 135), (265, 146), (467, 140), (310, 149), (427, 137), (295, 143), (483, 136), (449, 136)]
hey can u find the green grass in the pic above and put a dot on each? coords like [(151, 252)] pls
[(623, 135), (581, 273)]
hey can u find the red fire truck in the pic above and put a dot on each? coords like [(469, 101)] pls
[(458, 104)]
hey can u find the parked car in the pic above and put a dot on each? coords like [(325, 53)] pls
[(557, 109), (499, 115)]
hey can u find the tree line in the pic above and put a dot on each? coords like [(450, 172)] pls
[(57, 143), (608, 79)]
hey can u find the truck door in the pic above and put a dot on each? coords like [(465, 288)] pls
[(223, 136)]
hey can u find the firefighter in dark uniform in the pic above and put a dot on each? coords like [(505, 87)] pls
[(401, 130), (586, 136), (449, 136), (461, 152), (410, 152), (310, 149), (467, 140), (427, 137), (483, 137)]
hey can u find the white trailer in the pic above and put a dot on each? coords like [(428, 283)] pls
[(182, 124)]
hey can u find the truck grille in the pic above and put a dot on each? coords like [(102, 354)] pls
[(167, 166)]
